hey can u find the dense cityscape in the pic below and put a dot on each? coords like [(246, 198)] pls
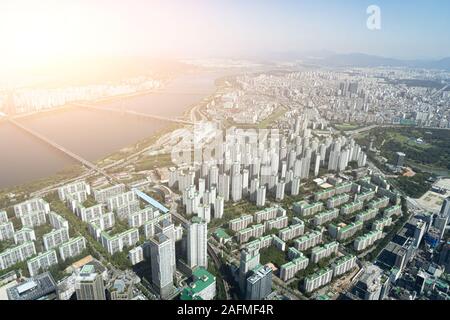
[(292, 204), (224, 158)]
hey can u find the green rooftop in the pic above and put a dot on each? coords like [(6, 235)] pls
[(221, 234), (203, 279)]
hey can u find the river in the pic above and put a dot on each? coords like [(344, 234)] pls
[(92, 134)]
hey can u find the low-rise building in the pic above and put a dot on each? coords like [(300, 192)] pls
[(117, 242), (277, 223), (42, 262), (367, 215), (240, 223), (17, 254), (269, 214), (203, 286), (326, 216), (362, 242), (55, 238), (305, 209), (343, 265), (337, 201), (381, 223), (351, 207), (255, 231), (319, 253), (136, 255), (343, 232), (290, 269), (308, 240), (72, 248), (292, 231), (379, 203), (24, 235), (392, 211), (317, 280), (6, 231)]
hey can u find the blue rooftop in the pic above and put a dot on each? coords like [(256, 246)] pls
[(151, 201)]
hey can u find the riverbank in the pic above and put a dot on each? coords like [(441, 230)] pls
[(113, 160)]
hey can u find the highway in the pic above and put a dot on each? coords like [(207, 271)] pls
[(212, 253)]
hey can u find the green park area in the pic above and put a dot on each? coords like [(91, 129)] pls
[(425, 149), (273, 255), (427, 153), (346, 126)]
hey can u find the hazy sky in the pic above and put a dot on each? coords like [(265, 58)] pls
[(32, 30)]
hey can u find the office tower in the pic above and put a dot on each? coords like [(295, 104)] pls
[(280, 190), (265, 175), (218, 207), (317, 165), (245, 180), (207, 198), (291, 159), (298, 164), (440, 223), (343, 160), (168, 228), (204, 170), (89, 284), (201, 187), (255, 168), (224, 186), (213, 176), (283, 169), (274, 163), (400, 159), (353, 87), (444, 256), (173, 177), (197, 243), (249, 261), (212, 194), (362, 159), (236, 187), (333, 161), (259, 285), (161, 257), (235, 168), (204, 212), (289, 176), (261, 196), (445, 209), (306, 163), (254, 185), (295, 186), (273, 180)]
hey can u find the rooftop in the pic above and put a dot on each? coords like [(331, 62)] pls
[(202, 280), (35, 288)]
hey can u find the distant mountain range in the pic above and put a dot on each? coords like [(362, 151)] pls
[(364, 60), (331, 59)]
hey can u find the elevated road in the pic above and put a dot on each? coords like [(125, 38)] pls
[(69, 153), (132, 113), (212, 253)]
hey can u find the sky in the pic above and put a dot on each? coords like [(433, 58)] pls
[(34, 31)]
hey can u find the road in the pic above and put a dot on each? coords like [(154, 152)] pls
[(213, 254)]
